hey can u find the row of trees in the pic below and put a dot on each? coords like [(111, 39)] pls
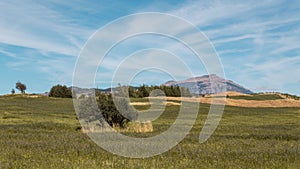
[(144, 91), (133, 92)]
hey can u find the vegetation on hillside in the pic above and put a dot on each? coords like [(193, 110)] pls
[(290, 96)]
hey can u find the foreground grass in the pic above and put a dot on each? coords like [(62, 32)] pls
[(42, 133)]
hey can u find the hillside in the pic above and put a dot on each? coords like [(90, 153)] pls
[(208, 84)]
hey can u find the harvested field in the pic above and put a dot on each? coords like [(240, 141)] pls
[(240, 102)]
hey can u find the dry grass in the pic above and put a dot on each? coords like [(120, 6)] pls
[(139, 103), (240, 102), (172, 103), (138, 127), (229, 93), (264, 103), (132, 127)]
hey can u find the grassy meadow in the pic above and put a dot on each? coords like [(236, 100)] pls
[(43, 133)]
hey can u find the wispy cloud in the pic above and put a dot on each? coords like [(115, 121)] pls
[(33, 25), (6, 53)]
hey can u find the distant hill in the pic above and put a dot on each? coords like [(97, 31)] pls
[(87, 91), (208, 84)]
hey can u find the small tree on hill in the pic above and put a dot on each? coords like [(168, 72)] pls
[(20, 86), (13, 91)]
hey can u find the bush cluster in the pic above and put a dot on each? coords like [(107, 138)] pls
[(60, 91), (115, 116)]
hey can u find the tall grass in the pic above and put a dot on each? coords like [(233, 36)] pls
[(42, 133)]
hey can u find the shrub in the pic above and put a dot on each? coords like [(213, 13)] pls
[(111, 114), (60, 91)]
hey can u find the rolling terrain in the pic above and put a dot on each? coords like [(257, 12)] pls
[(42, 132)]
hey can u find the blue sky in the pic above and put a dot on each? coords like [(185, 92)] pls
[(258, 43)]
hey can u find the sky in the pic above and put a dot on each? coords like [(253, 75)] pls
[(258, 42)]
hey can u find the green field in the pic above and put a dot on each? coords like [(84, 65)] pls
[(43, 133)]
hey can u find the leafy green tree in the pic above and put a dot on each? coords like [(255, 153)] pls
[(20, 86), (60, 91), (110, 113)]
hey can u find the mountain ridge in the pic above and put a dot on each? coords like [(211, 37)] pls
[(208, 84)]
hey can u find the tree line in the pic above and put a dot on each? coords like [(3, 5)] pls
[(144, 91), (133, 92)]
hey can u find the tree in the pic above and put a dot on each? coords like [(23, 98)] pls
[(143, 92), (20, 86), (60, 91), (132, 92), (13, 91), (110, 112)]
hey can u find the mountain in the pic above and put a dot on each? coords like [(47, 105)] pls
[(208, 84)]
